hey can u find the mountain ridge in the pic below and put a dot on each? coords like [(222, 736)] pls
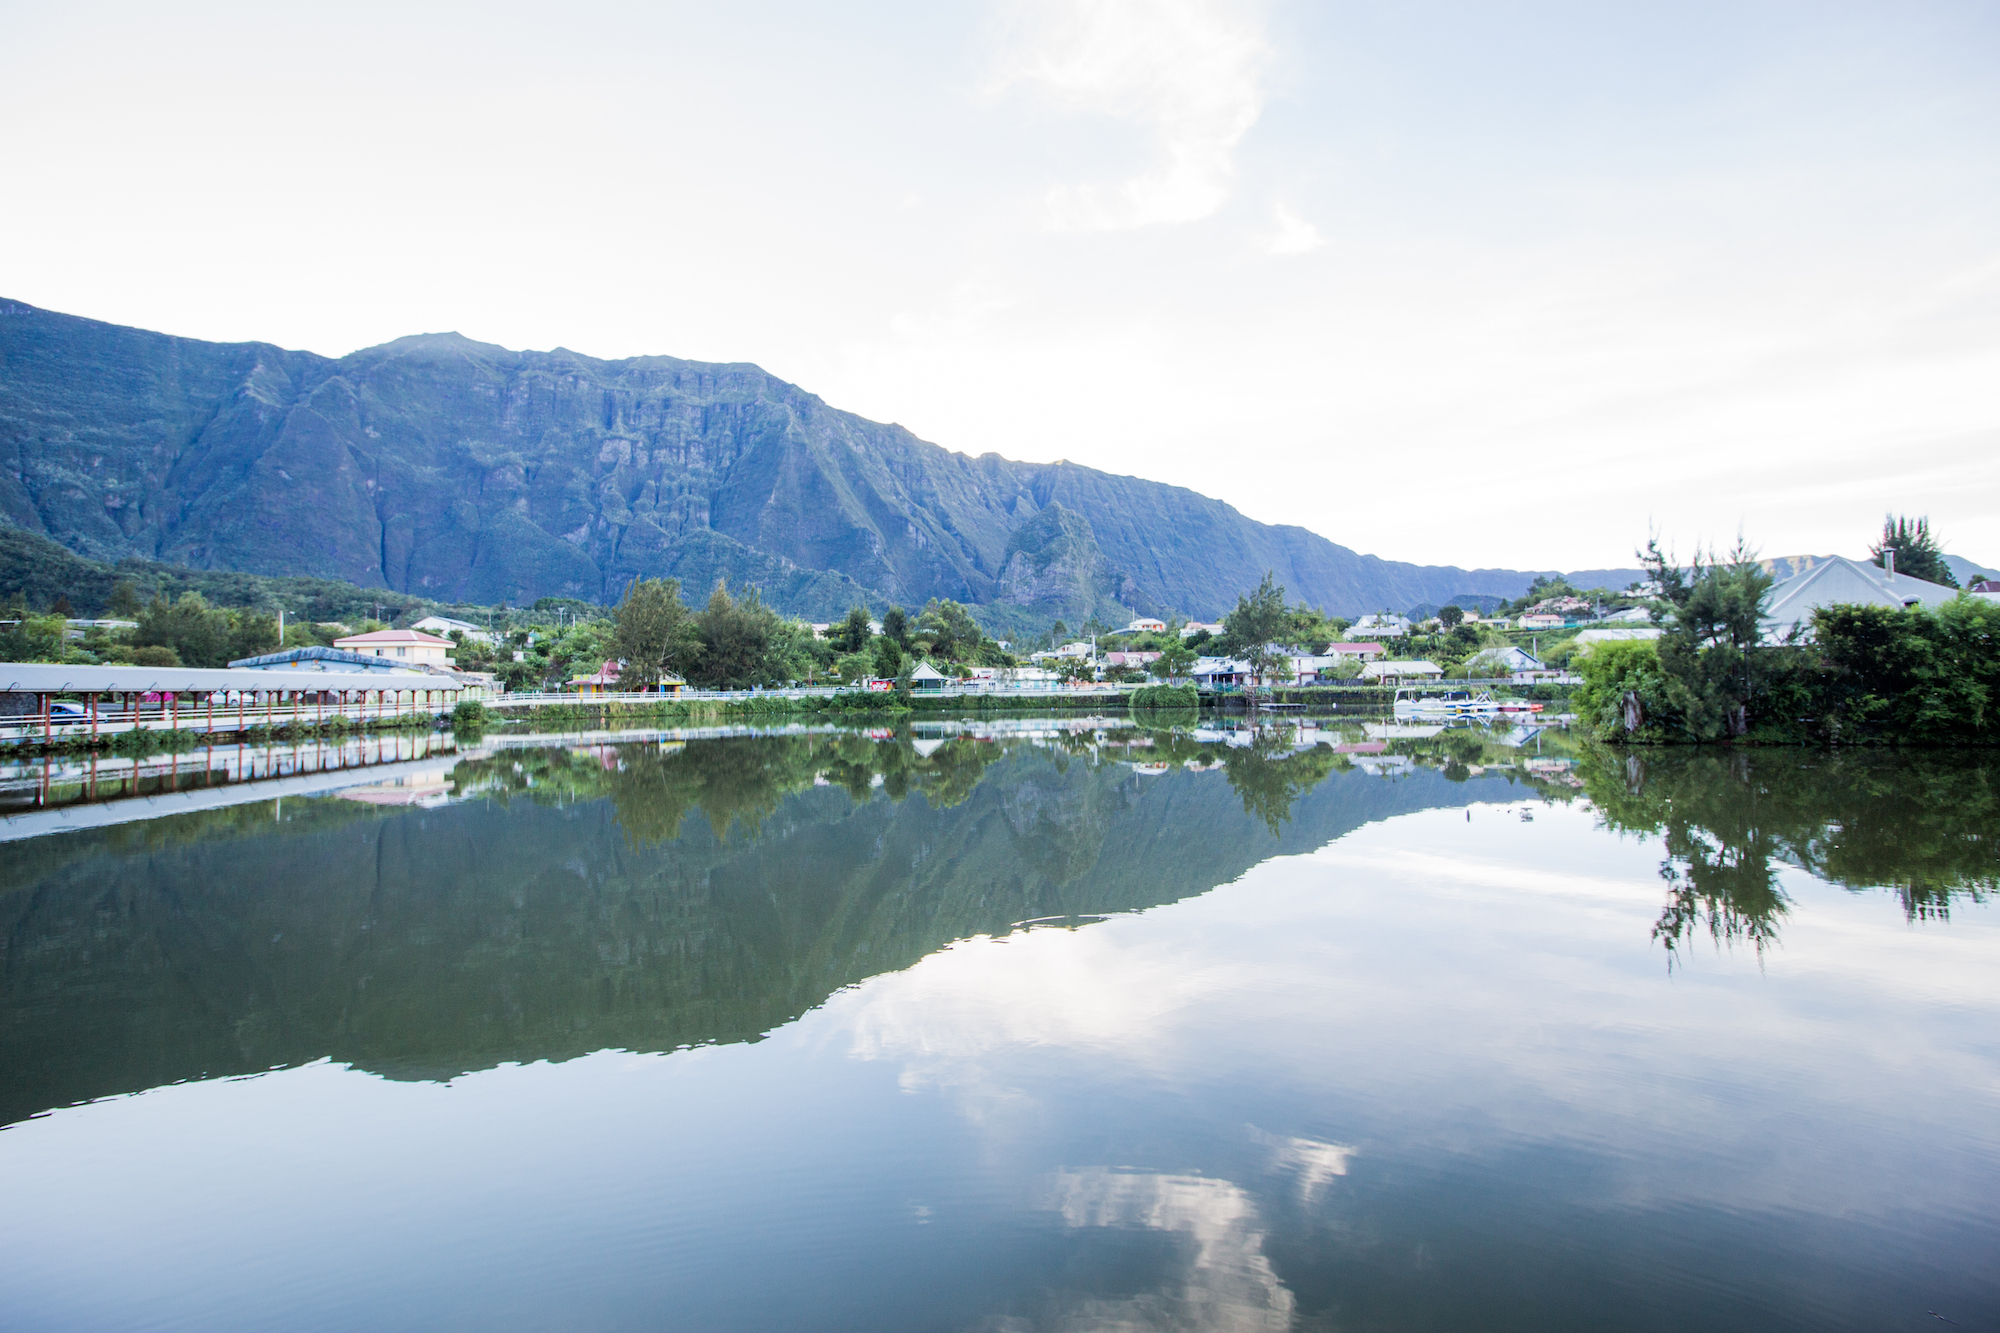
[(439, 465)]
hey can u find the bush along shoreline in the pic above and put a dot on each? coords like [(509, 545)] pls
[(1853, 675)]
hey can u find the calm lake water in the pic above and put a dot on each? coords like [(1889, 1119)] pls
[(1055, 1027)]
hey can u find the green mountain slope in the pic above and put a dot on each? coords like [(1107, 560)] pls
[(462, 471)]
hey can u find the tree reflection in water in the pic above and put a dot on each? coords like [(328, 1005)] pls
[(1917, 824)]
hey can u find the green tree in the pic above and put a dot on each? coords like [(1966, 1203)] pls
[(32, 639), (124, 603), (1252, 628), (737, 638), (1917, 552), (1451, 616), (852, 634), (1709, 650), (200, 635), (1624, 693), (888, 657), (654, 635), (1928, 675), (896, 625), (251, 634), (1174, 660), (953, 633)]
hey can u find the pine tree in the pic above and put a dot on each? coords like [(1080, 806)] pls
[(1917, 552)]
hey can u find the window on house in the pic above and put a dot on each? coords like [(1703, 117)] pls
[(402, 652)]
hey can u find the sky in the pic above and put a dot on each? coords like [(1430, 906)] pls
[(1494, 284)]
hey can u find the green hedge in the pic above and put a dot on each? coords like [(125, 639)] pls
[(1166, 696)]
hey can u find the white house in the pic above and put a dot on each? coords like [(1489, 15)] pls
[(442, 626), (1364, 651), (1504, 661), (1623, 634), (1838, 581), (1194, 627), (1378, 626), (409, 646), (1144, 626), (1390, 672), (1213, 671)]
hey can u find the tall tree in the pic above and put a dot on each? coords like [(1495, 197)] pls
[(737, 638), (655, 633), (953, 633), (852, 634), (1252, 629), (896, 625), (124, 604), (1709, 648), (1917, 552)]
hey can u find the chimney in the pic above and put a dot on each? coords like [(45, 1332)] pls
[(1889, 561)]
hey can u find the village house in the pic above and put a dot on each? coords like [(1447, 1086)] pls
[(1224, 672), (1838, 581), (1379, 626), (604, 680), (1145, 626), (1400, 672), (445, 626), (1194, 627), (1503, 661), (408, 646), (1136, 658), (1363, 651), (1540, 620), (317, 658)]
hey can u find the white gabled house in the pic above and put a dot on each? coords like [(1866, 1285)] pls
[(1378, 626), (1838, 581)]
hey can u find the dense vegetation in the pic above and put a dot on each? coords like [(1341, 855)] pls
[(1868, 674)]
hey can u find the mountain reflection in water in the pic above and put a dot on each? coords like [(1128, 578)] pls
[(1420, 1069), (633, 896), (654, 896)]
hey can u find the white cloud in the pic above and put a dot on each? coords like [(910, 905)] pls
[(1291, 234), (1228, 1282), (1189, 71)]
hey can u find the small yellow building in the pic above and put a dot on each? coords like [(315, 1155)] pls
[(404, 645)]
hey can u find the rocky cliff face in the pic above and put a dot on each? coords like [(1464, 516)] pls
[(461, 470), (1054, 570)]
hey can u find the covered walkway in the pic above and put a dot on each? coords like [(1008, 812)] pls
[(49, 702)]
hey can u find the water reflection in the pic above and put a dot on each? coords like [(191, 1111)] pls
[(1421, 1074), (538, 900), (541, 901), (1917, 824)]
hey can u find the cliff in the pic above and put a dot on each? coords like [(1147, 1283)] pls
[(459, 470)]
